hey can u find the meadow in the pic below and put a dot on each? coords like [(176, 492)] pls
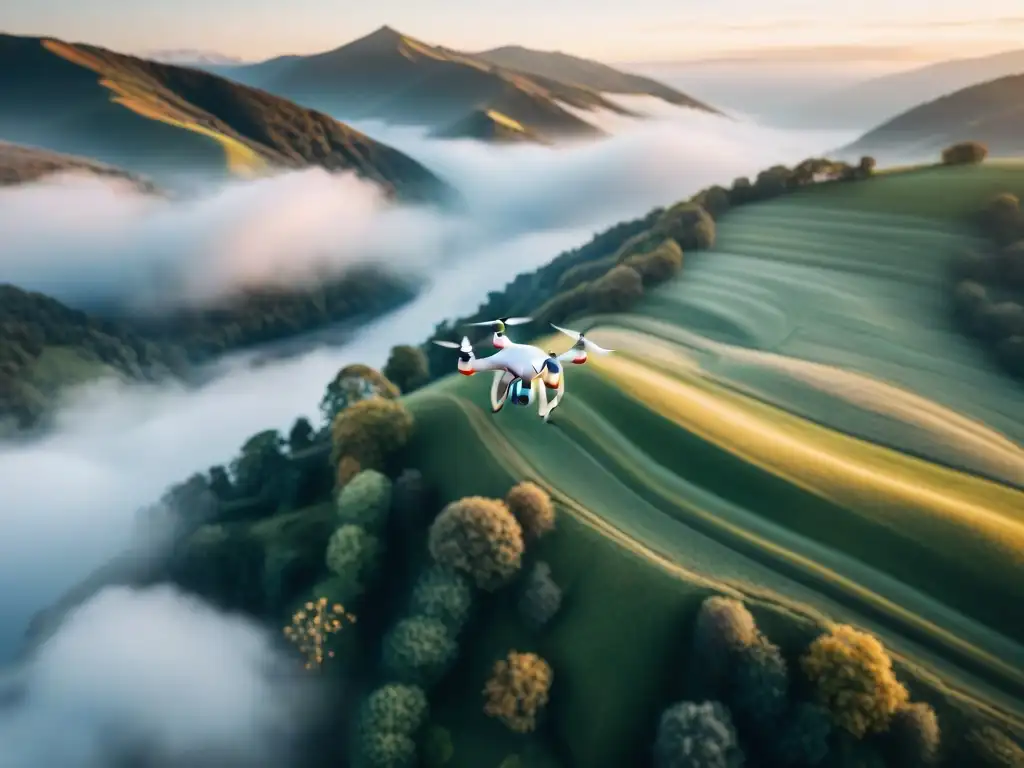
[(793, 419)]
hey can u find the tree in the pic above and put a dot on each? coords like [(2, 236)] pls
[(742, 191), (301, 435), (353, 384), (913, 737), (419, 649), (760, 686), (518, 690), (388, 750), (715, 200), (437, 749), (772, 182), (388, 721), (408, 498), (351, 556), (220, 483), (541, 598), (366, 500), (688, 224), (371, 431), (263, 471), (804, 737), (964, 153), (1003, 219), (658, 265), (692, 735), (853, 678), (479, 537), (616, 291), (441, 593), (724, 628), (866, 167), (532, 507), (407, 367)]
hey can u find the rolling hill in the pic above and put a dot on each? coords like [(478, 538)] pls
[(594, 75), (490, 126), (390, 76), (990, 113), (20, 165), (882, 98), (164, 120), (791, 421)]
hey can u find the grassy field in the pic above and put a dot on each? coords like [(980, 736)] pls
[(793, 420)]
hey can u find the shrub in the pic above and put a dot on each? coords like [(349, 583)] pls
[(853, 678), (517, 691), (395, 708), (371, 431), (407, 367), (724, 628), (742, 191), (616, 291), (772, 182), (351, 556), (437, 748), (694, 735), (688, 224), (760, 685), (964, 153), (542, 597), (658, 265), (531, 505), (866, 167), (804, 737), (1002, 218), (382, 749), (479, 537), (913, 737), (366, 500), (585, 272), (419, 649), (442, 594), (714, 200)]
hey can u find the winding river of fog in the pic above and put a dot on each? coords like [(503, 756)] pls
[(67, 501)]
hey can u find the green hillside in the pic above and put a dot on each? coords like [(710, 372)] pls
[(989, 113), (584, 72), (163, 120), (793, 420), (391, 76)]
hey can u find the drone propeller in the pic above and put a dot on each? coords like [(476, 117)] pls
[(465, 348), (582, 341), (503, 321)]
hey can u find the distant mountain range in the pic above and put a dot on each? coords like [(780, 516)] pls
[(192, 57), (163, 120), (992, 113), (393, 77), (882, 98)]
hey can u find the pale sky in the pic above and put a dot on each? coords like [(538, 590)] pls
[(611, 30)]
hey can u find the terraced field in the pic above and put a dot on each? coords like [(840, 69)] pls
[(793, 419)]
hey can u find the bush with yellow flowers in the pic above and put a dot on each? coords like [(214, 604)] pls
[(532, 507), (312, 627), (518, 690), (853, 678)]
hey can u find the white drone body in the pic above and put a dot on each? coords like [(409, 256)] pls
[(521, 370)]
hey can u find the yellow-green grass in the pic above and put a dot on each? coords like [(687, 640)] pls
[(944, 192)]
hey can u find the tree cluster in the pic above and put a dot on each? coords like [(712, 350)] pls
[(987, 286)]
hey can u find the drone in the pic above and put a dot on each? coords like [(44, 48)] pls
[(521, 370)]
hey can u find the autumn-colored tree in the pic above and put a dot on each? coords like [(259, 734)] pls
[(353, 384), (616, 291), (853, 678), (479, 537), (371, 431), (517, 691), (348, 468), (964, 153), (311, 628), (724, 628), (688, 224), (407, 367), (532, 507)]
